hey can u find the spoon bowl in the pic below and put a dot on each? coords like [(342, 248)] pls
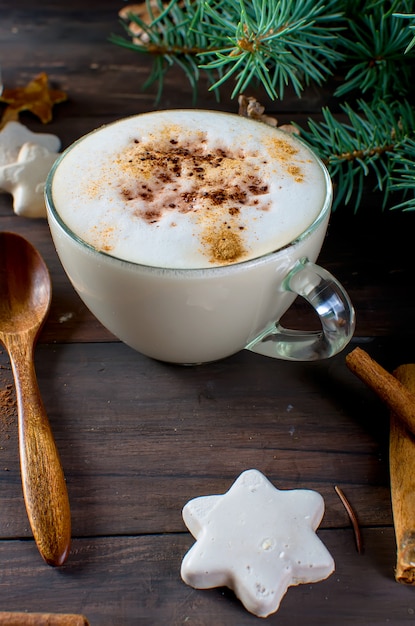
[(25, 296), (24, 286)]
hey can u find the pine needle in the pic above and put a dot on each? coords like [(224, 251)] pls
[(283, 45)]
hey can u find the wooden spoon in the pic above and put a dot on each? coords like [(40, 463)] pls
[(25, 296)]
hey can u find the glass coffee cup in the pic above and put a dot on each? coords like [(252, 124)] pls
[(189, 234)]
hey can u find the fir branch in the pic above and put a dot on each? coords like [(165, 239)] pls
[(295, 40), (373, 142), (403, 176), (274, 42), (374, 46), (410, 16), (166, 33), (281, 44)]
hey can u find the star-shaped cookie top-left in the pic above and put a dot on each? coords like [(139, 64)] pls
[(14, 135), (36, 96), (25, 179), (256, 540)]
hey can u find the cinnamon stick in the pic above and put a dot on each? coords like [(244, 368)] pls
[(41, 619), (390, 390), (402, 476)]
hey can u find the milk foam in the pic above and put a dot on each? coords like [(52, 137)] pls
[(187, 189)]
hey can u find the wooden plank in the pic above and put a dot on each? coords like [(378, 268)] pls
[(138, 438), (136, 580)]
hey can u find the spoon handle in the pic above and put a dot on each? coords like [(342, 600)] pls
[(43, 481)]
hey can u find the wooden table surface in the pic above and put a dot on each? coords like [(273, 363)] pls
[(139, 438)]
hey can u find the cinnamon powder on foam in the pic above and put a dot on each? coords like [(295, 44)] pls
[(225, 246), (220, 187)]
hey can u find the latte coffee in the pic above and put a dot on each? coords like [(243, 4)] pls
[(188, 234), (185, 190)]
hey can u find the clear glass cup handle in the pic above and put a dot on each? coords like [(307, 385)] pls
[(331, 303)]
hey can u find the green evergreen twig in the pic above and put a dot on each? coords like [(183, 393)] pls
[(375, 46), (403, 174), (274, 43), (291, 43), (282, 44), (410, 16), (371, 143)]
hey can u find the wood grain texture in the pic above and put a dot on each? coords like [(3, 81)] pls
[(138, 438), (136, 580), (128, 426), (12, 618)]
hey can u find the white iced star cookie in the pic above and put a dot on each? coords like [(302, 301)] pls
[(14, 135), (256, 540), (25, 179)]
